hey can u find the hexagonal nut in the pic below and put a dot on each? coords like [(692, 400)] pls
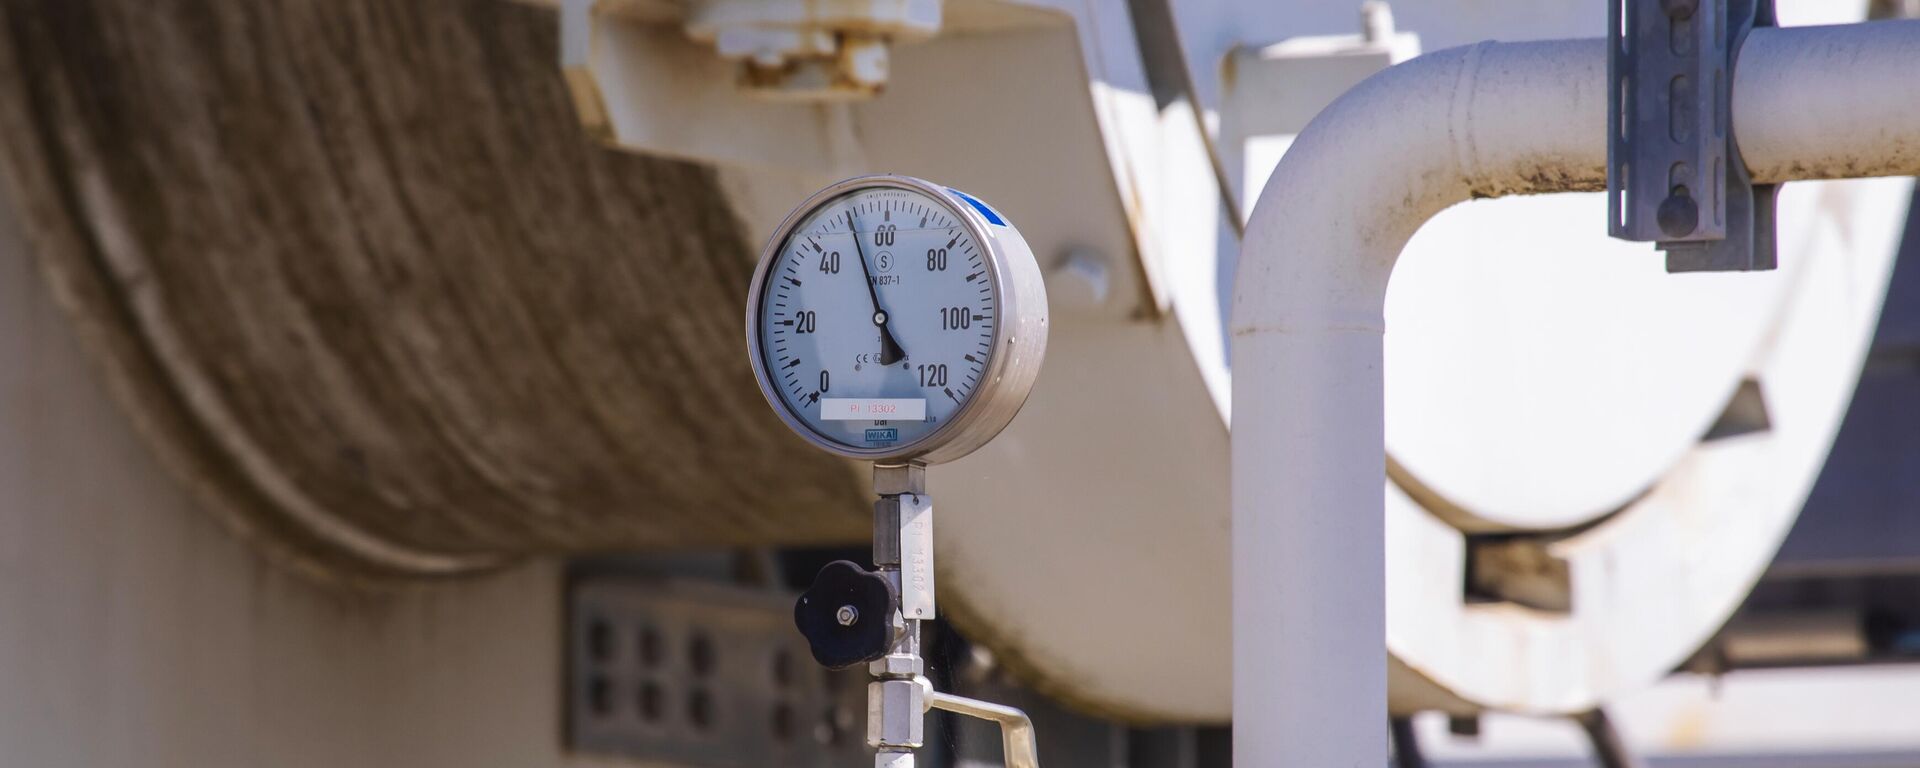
[(898, 665), (896, 714)]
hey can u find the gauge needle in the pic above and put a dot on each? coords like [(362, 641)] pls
[(890, 351)]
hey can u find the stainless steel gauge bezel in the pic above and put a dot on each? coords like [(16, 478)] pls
[(1019, 336)]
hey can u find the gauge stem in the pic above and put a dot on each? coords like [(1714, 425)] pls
[(890, 351)]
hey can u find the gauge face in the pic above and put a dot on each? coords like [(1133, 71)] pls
[(877, 318)]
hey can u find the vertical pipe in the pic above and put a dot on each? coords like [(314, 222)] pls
[(1406, 744), (1310, 698), (1609, 750)]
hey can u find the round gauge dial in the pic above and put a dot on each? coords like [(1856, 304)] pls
[(892, 318)]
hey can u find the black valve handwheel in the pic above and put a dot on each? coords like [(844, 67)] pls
[(846, 615)]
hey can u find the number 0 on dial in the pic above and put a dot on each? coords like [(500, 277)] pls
[(893, 319)]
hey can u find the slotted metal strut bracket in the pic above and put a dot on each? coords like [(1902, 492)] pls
[(1674, 172)]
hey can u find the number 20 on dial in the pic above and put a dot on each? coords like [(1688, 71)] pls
[(893, 319)]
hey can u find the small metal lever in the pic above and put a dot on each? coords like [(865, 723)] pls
[(1018, 745)]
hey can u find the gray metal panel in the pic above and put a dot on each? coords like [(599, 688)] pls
[(701, 674), (1864, 512), (1900, 321)]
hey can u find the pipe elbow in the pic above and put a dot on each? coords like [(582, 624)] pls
[(1484, 120), (1357, 172), (1498, 119)]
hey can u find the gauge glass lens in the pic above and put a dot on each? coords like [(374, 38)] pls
[(877, 319)]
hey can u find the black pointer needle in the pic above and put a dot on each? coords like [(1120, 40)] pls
[(890, 351)]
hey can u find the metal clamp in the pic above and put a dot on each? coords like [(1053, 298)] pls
[(1674, 172)]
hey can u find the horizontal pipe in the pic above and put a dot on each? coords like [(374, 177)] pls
[(1487, 120), (1829, 102)]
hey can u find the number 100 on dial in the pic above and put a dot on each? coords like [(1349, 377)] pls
[(893, 319)]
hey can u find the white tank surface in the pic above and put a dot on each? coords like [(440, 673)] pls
[(1625, 447)]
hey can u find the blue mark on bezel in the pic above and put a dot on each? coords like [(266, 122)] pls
[(992, 217)]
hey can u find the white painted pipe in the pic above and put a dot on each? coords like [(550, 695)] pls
[(1488, 120)]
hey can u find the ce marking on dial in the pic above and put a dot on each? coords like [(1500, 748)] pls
[(868, 358)]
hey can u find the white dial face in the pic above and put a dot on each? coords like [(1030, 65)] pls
[(877, 319)]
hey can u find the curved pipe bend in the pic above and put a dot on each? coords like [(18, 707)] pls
[(1487, 120)]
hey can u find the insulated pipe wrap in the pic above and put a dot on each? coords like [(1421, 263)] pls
[(359, 277)]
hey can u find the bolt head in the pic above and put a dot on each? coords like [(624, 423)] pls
[(847, 615), (1679, 215)]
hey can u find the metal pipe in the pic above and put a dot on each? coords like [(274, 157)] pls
[(1018, 745), (1487, 120), (1609, 750), (1406, 744)]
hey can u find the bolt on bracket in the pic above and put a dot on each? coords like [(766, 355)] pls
[(1674, 172)]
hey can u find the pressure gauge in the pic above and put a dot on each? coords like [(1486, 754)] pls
[(892, 319)]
